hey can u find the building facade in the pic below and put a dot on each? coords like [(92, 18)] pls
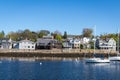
[(106, 44), (25, 44), (5, 43), (75, 43), (45, 43)]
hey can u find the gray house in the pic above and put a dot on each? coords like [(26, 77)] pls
[(5, 43), (109, 43), (43, 43)]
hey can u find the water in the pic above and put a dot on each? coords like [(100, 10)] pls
[(58, 70)]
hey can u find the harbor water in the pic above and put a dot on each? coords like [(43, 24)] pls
[(58, 70)]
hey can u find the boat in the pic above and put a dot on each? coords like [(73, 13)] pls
[(96, 60), (116, 58)]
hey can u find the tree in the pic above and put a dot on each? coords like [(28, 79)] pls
[(21, 35), (65, 35), (13, 35), (40, 35), (81, 46), (2, 34), (58, 37), (46, 32), (34, 36), (91, 44), (87, 32), (43, 33), (57, 32)]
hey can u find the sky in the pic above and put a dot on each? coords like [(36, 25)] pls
[(71, 16)]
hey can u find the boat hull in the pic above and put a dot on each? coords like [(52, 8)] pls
[(115, 58), (97, 60)]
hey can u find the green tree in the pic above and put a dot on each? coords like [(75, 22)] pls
[(40, 34), (2, 34), (58, 37), (43, 33), (34, 36), (21, 35), (81, 46), (65, 35), (13, 35), (91, 44)]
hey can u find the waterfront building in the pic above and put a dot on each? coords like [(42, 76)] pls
[(46, 43), (5, 43), (24, 44), (85, 40), (107, 44), (67, 44), (75, 43)]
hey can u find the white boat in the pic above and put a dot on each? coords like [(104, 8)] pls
[(96, 60), (116, 58)]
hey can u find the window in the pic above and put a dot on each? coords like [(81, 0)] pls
[(32, 46), (28, 46)]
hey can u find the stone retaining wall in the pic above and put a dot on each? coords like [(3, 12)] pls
[(55, 53)]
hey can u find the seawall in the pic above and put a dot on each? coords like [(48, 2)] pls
[(56, 53)]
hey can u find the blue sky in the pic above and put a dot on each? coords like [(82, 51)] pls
[(63, 15)]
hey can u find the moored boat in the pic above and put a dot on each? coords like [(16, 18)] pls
[(96, 60), (114, 58)]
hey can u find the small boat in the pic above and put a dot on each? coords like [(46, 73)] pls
[(96, 60), (116, 58)]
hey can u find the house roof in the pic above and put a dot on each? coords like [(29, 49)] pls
[(9, 40), (25, 41), (43, 41), (105, 40), (46, 41), (4, 38)]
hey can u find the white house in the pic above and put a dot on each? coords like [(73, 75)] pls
[(106, 44), (75, 43), (85, 40), (25, 44)]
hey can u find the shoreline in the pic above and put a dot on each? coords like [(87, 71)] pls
[(38, 59), (56, 54)]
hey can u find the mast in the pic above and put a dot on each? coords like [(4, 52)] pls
[(118, 44), (94, 37)]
